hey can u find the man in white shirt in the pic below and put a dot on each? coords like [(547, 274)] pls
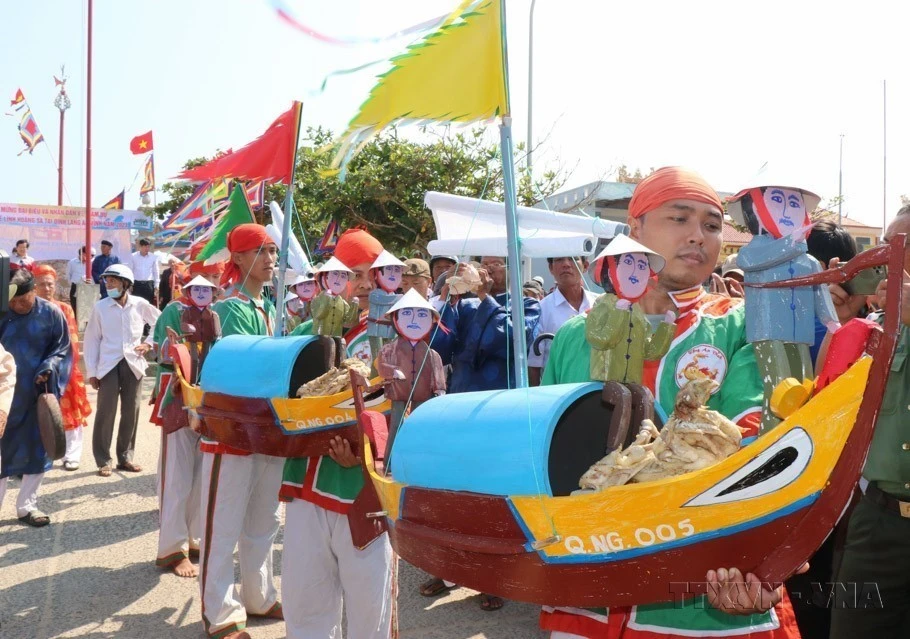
[(115, 364), (75, 273), (20, 257), (146, 271), (568, 299)]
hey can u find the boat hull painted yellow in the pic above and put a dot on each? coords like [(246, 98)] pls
[(760, 493)]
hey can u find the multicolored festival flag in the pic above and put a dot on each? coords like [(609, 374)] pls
[(456, 74), (116, 202), (29, 132), (329, 239), (142, 144), (202, 203), (148, 182), (255, 193), (239, 212), (28, 127)]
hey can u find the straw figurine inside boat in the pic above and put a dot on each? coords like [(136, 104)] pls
[(484, 486)]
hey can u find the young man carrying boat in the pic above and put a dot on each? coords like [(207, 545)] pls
[(180, 460), (240, 489), (321, 567), (677, 214)]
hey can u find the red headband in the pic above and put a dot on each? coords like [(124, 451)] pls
[(356, 246), (44, 269), (246, 237), (671, 183)]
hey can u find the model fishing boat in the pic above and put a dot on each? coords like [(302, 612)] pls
[(255, 407), (480, 487)]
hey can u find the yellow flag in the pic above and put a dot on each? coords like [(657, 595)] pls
[(455, 74)]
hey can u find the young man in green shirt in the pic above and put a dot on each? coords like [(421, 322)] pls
[(240, 489), (675, 213), (872, 589), (180, 460)]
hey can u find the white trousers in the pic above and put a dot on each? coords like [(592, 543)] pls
[(320, 567), (240, 507), (556, 634), (27, 501), (73, 445), (179, 498)]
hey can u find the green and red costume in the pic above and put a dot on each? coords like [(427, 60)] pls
[(710, 341)]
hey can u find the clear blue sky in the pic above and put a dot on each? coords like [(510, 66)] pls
[(717, 87)]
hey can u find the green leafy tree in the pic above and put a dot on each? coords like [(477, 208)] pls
[(385, 184)]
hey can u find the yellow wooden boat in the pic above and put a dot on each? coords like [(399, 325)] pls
[(507, 524), (254, 408)]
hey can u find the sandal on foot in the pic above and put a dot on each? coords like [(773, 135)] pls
[(35, 518), (490, 602), (434, 587), (70, 465), (275, 612), (105, 471), (129, 467)]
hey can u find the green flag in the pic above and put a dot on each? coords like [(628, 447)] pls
[(238, 212)]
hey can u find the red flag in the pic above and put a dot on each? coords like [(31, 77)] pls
[(268, 157), (18, 99), (141, 143)]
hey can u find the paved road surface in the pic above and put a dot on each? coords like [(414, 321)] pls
[(91, 573)]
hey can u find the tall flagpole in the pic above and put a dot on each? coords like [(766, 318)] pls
[(286, 233), (516, 301), (88, 150)]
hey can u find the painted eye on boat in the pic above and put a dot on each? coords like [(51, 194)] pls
[(770, 471), (369, 401)]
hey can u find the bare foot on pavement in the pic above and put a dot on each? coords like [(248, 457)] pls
[(186, 568)]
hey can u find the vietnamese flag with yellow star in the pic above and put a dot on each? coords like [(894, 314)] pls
[(141, 143)]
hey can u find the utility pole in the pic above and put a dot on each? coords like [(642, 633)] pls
[(88, 149), (530, 84)]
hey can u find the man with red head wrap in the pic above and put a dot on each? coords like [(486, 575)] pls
[(357, 250), (180, 460), (239, 489), (320, 564), (676, 214)]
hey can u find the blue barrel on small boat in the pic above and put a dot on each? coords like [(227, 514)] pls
[(262, 367), (526, 441)]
